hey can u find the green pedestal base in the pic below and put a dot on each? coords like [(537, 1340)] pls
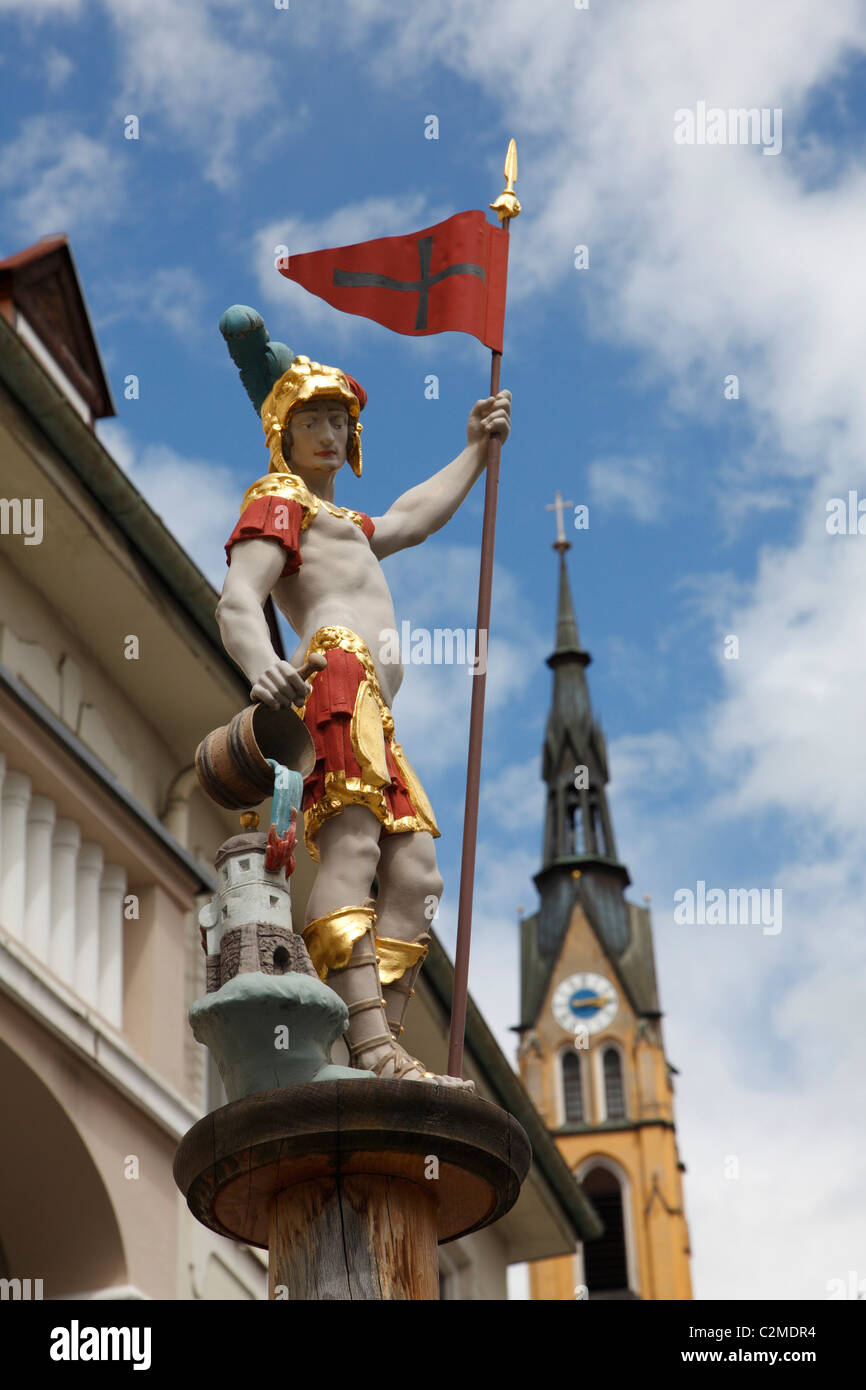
[(269, 1031)]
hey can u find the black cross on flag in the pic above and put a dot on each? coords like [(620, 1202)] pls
[(450, 277)]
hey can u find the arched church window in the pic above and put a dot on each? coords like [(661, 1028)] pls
[(614, 1092), (605, 1262), (572, 1086)]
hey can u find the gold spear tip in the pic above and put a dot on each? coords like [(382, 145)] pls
[(507, 204)]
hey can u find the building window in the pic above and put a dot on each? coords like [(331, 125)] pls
[(604, 1260), (614, 1094), (572, 1087)]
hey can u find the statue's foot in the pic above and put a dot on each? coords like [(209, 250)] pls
[(392, 1063)]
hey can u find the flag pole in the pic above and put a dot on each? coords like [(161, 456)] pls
[(505, 207)]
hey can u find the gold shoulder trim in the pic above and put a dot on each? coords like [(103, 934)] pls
[(287, 485)]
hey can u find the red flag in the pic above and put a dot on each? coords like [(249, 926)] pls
[(450, 277)]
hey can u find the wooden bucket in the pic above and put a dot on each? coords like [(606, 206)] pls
[(231, 761)]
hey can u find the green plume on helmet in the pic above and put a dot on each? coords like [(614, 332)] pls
[(260, 362)]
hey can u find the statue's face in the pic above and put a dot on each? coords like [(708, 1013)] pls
[(319, 433)]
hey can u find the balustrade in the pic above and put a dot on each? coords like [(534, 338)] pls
[(59, 897)]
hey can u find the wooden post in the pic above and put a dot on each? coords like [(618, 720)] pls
[(362, 1237)]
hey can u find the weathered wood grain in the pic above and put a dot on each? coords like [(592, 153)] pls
[(357, 1238)]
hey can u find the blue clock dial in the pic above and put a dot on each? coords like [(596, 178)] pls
[(584, 1003)]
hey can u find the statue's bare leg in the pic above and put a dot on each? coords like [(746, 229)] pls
[(349, 849), (340, 906), (410, 887)]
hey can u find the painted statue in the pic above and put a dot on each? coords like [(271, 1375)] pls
[(365, 810)]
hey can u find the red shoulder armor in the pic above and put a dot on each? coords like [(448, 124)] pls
[(272, 518)]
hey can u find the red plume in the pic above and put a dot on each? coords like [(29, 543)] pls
[(357, 389)]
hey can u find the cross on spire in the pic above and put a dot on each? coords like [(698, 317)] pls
[(560, 544)]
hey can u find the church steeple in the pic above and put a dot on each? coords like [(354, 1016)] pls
[(567, 639), (592, 1053), (578, 838)]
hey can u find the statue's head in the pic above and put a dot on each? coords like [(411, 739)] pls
[(303, 395), (317, 435)]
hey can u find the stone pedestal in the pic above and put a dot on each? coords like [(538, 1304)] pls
[(351, 1184)]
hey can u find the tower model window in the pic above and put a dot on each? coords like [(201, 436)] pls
[(614, 1094), (572, 1086)]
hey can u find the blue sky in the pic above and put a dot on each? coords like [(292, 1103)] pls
[(707, 516)]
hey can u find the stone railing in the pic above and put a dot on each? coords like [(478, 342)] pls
[(59, 897)]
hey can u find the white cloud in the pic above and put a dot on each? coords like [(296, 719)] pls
[(640, 763), (59, 179), (191, 67), (56, 66), (627, 483), (197, 500), (435, 585), (514, 796), (175, 296), (787, 732), (772, 1034), (710, 260)]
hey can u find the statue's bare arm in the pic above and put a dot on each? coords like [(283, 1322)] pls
[(425, 509), (255, 568)]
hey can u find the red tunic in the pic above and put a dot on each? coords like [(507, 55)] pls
[(328, 716)]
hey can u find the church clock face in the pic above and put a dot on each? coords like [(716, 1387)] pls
[(585, 1000)]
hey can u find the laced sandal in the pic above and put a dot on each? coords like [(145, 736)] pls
[(399, 989), (376, 1030), (401, 1062), (400, 964)]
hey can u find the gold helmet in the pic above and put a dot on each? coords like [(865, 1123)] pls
[(307, 381)]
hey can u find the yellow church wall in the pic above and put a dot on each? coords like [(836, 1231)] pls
[(656, 1238), (644, 1150)]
